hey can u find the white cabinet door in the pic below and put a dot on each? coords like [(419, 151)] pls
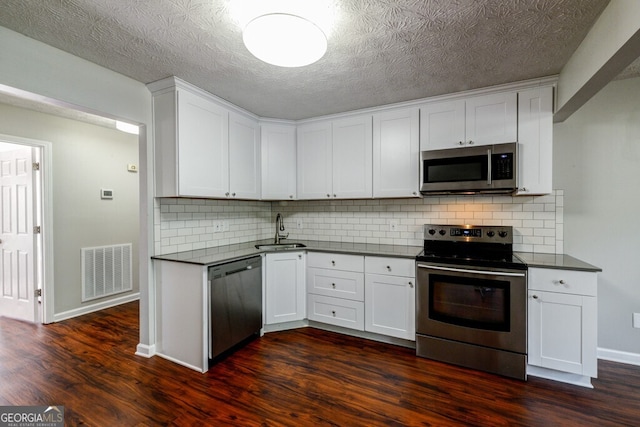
[(479, 120), (442, 125), (562, 332), (202, 129), (352, 158), (278, 162), (244, 157), (390, 305), (314, 166), (396, 154), (492, 119), (535, 141), (285, 289)]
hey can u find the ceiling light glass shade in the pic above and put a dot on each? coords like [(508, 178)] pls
[(285, 40)]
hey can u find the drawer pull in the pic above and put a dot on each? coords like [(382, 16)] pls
[(562, 282), (389, 267), (333, 312), (333, 285), (535, 297), (411, 284), (333, 263)]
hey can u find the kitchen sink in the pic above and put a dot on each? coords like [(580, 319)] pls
[(280, 246)]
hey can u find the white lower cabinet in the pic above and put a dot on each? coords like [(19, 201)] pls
[(335, 289), (390, 297), (285, 287), (563, 321)]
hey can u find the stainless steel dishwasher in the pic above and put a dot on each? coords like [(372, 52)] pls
[(235, 304)]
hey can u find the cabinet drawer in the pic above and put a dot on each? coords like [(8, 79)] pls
[(336, 261), (390, 266), (336, 311), (335, 283), (564, 281)]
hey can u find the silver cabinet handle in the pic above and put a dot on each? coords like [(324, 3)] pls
[(233, 194), (226, 194), (562, 282), (333, 263), (523, 189), (411, 284), (328, 195), (333, 312), (535, 297), (489, 166), (461, 142), (291, 196), (333, 285), (470, 142), (388, 267)]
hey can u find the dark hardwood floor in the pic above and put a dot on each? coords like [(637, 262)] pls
[(301, 377)]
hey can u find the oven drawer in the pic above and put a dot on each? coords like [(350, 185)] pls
[(335, 283), (390, 266), (335, 261), (563, 281), (336, 311)]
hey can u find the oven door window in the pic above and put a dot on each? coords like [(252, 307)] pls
[(471, 302)]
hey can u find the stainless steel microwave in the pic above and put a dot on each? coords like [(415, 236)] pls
[(470, 170)]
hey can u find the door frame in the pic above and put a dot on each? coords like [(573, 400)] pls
[(45, 213)]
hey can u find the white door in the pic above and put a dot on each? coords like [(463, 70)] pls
[(17, 240), (314, 169), (244, 157), (396, 153), (285, 287)]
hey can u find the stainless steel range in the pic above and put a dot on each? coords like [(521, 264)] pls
[(471, 299)]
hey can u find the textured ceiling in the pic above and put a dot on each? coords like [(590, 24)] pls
[(380, 51)]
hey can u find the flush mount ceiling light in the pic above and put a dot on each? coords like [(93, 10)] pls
[(285, 40)]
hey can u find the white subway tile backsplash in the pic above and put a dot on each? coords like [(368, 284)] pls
[(187, 224)]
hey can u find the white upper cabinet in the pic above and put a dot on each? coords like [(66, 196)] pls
[(201, 148), (244, 157), (335, 159), (191, 135), (352, 158), (278, 144), (396, 151), (442, 125), (314, 161), (535, 141), (479, 120)]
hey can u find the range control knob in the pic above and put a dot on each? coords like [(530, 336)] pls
[(491, 233), (442, 232), (432, 231), (502, 233)]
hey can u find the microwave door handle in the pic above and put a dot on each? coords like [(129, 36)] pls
[(489, 166)]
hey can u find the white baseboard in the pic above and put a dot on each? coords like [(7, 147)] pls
[(619, 356), (180, 362), (145, 350), (86, 309), (565, 377)]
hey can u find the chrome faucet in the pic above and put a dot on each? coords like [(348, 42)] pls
[(279, 228)]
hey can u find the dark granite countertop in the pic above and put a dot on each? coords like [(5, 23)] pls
[(228, 253), (556, 261)]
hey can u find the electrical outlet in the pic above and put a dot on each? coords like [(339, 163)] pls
[(217, 226), (299, 224), (393, 225), (636, 320)]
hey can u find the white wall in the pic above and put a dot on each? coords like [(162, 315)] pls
[(35, 67), (597, 163), (85, 158)]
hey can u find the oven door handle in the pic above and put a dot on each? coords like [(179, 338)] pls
[(464, 270)]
